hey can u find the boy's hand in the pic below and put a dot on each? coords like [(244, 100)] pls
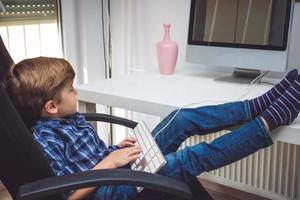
[(115, 159), (122, 157), (128, 142)]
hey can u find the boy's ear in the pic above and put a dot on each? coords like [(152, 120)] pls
[(50, 107)]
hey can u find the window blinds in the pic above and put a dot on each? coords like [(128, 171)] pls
[(23, 10), (2, 9)]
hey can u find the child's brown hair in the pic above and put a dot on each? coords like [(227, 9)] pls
[(33, 82)]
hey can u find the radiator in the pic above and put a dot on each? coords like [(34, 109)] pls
[(273, 172)]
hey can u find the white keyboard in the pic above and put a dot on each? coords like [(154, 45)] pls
[(151, 159)]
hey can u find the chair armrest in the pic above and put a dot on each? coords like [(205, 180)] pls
[(94, 178), (110, 118)]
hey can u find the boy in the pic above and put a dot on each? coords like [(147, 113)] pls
[(42, 88)]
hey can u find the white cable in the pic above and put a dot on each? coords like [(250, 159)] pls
[(179, 109), (258, 78)]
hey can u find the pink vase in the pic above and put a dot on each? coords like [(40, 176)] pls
[(167, 53)]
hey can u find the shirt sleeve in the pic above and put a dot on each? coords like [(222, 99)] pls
[(113, 148)]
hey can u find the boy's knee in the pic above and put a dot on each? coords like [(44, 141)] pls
[(182, 116)]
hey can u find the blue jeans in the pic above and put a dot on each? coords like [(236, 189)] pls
[(191, 161)]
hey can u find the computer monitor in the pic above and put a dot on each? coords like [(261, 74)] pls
[(248, 34)]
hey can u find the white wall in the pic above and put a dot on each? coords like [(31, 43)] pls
[(174, 12), (149, 29), (294, 59), (137, 25), (82, 38)]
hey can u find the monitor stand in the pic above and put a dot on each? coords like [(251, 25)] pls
[(240, 75)]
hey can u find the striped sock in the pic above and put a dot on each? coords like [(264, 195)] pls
[(285, 109), (259, 104)]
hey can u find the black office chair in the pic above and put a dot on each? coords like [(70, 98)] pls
[(27, 174), (5, 59)]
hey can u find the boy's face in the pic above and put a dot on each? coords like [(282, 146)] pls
[(68, 101)]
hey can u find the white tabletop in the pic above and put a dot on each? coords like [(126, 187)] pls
[(156, 94)]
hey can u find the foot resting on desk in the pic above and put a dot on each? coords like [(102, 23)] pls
[(259, 104), (285, 109)]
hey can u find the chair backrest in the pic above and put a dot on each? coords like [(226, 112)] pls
[(21, 159), (5, 59)]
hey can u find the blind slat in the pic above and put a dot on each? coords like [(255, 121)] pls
[(20, 10)]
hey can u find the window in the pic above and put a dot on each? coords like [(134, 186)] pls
[(30, 28)]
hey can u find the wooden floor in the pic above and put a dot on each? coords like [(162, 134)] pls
[(222, 192), (217, 191)]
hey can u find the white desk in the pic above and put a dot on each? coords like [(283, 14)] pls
[(155, 94)]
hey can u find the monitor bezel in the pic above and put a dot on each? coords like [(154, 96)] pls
[(237, 45)]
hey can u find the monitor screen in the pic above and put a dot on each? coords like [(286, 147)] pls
[(254, 24), (248, 34)]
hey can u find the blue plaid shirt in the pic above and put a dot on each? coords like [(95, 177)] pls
[(70, 144)]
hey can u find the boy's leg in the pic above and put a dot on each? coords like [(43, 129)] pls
[(128, 192), (198, 192), (198, 121), (224, 150), (117, 192), (185, 164), (187, 122)]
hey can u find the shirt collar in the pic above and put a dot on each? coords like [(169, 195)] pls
[(75, 119)]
